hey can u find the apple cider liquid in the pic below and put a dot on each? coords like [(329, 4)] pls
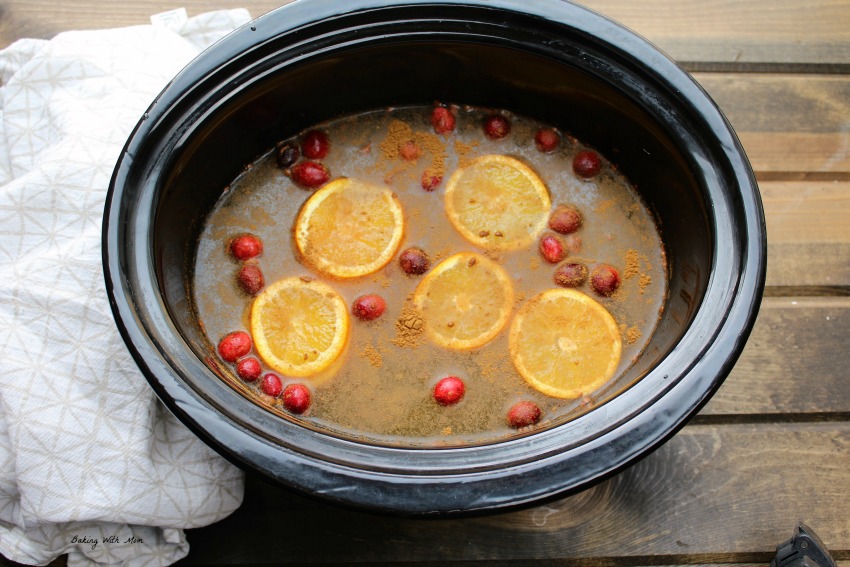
[(381, 388)]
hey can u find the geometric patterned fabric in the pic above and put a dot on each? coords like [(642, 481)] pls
[(91, 463)]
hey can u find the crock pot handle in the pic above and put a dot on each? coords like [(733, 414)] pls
[(804, 549)]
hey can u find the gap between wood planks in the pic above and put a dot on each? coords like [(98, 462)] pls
[(807, 291), (780, 68), (702, 559), (768, 418)]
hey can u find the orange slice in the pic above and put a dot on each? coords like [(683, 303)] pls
[(497, 202), (299, 327), (564, 343), (349, 228), (465, 301)]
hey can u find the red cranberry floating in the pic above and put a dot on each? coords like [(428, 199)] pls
[(605, 279), (234, 346), (449, 390), (251, 279), (248, 369), (271, 385), (571, 274), (296, 398), (551, 248), (409, 150), (587, 164), (431, 181), (286, 154), (497, 127), (369, 307), (246, 247), (547, 140), (310, 174), (523, 414), (443, 120), (414, 261), (315, 144), (565, 219)]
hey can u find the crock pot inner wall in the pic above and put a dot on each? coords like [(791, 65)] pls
[(281, 98)]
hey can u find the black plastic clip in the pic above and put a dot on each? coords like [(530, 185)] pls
[(804, 549)]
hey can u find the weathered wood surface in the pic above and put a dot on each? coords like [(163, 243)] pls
[(782, 32), (808, 235), (795, 365), (793, 126)]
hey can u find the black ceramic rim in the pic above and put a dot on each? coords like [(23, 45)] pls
[(447, 481)]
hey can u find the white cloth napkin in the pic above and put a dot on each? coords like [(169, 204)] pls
[(91, 464)]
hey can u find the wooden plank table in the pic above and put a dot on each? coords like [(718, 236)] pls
[(770, 449)]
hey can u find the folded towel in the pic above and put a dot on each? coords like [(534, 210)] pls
[(91, 464)]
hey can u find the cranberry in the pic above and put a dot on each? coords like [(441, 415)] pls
[(497, 127), (587, 164), (369, 307), (310, 174), (234, 346), (605, 279), (571, 274), (246, 247), (248, 369), (443, 120), (286, 154), (573, 243), (409, 150), (315, 144), (251, 279), (414, 261), (296, 398), (565, 219), (449, 390), (431, 181), (551, 248), (271, 385), (547, 139), (523, 414)]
